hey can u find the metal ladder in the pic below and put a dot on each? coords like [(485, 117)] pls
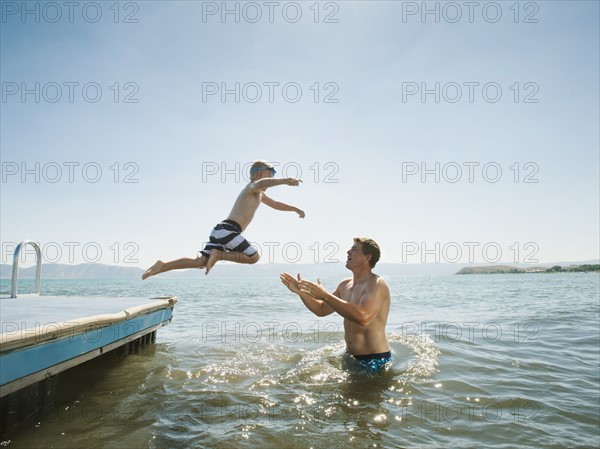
[(15, 269)]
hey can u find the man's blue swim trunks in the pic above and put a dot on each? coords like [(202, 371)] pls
[(374, 362), (227, 235)]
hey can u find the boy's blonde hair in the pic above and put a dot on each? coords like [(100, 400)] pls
[(260, 165)]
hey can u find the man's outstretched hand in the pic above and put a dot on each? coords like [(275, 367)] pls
[(317, 291), (290, 282)]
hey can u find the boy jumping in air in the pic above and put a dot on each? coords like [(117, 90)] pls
[(226, 239)]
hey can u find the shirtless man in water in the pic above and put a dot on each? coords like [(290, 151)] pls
[(226, 239), (363, 300)]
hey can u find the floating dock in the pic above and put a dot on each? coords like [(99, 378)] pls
[(44, 335), (41, 336)]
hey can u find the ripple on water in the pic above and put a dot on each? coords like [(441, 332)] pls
[(537, 390), (295, 390)]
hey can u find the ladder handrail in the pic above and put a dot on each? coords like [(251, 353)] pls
[(15, 269)]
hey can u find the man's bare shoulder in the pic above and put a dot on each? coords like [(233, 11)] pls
[(377, 282), (379, 279), (344, 283), (380, 284)]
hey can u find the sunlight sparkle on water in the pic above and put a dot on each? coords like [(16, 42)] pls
[(381, 418)]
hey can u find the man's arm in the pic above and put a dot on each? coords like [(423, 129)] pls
[(319, 308), (362, 313), (278, 205)]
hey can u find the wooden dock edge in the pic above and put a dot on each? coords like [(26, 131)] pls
[(25, 399), (53, 370), (53, 331)]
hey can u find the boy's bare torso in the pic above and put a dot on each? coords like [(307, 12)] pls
[(245, 205)]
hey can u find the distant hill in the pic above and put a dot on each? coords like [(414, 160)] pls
[(494, 269), (80, 271), (267, 270), (499, 269), (222, 270)]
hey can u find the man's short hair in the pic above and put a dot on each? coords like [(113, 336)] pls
[(370, 248)]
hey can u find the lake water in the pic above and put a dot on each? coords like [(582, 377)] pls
[(499, 361)]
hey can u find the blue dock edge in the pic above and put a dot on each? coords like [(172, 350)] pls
[(42, 336)]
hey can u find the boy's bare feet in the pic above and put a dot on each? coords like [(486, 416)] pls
[(154, 269), (215, 256)]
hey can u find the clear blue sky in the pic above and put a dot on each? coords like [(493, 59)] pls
[(372, 58)]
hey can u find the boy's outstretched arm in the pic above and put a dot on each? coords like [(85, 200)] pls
[(272, 182), (278, 205)]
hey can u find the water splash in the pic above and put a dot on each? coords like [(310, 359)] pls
[(425, 359)]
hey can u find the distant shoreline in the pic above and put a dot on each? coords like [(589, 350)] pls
[(272, 270), (507, 269)]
